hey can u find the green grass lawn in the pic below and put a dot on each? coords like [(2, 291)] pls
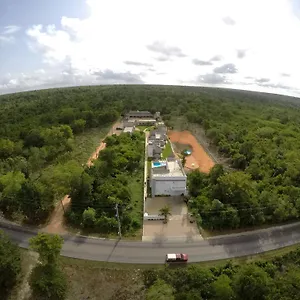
[(141, 128), (167, 151)]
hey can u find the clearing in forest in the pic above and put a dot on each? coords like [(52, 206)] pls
[(199, 159)]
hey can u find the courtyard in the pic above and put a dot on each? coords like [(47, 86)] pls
[(178, 226)]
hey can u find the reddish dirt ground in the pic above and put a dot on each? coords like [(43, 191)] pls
[(56, 223), (199, 159)]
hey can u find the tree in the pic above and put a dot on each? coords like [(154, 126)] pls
[(10, 264), (48, 246), (251, 283), (7, 148), (36, 201), (287, 285), (48, 282), (160, 291), (89, 218), (196, 182), (222, 288), (165, 212), (10, 185), (183, 161), (78, 125), (215, 173)]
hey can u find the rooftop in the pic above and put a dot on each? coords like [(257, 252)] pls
[(140, 113), (128, 129), (167, 169)]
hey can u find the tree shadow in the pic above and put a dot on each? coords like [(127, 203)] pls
[(113, 249)]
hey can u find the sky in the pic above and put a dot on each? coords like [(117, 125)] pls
[(240, 44)]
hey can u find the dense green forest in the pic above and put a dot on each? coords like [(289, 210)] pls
[(107, 184), (259, 133)]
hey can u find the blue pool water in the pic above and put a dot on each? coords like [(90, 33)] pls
[(157, 164)]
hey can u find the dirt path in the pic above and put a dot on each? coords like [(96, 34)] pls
[(56, 223), (199, 159)]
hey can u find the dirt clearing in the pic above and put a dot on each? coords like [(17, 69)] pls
[(89, 280), (199, 159)]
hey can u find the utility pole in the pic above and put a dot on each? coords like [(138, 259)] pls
[(119, 223)]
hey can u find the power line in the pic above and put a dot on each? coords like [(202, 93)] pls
[(119, 223)]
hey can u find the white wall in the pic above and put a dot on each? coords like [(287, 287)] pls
[(168, 187)]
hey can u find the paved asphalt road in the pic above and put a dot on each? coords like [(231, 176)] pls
[(154, 252)]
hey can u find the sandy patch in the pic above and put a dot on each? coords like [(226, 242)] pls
[(199, 159)]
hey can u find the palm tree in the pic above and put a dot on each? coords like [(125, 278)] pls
[(165, 212)]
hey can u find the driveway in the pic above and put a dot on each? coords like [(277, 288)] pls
[(178, 227)]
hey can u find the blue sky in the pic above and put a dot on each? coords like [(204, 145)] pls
[(24, 13), (249, 44)]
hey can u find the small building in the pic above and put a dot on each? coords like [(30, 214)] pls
[(129, 123), (128, 130), (156, 143), (168, 178), (146, 122), (157, 115), (154, 150), (139, 115)]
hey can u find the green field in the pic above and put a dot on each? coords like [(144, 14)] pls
[(86, 143), (167, 150)]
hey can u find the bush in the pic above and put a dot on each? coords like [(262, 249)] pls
[(48, 282), (10, 264)]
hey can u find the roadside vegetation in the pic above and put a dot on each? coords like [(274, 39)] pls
[(113, 185), (268, 277), (257, 133), (277, 278)]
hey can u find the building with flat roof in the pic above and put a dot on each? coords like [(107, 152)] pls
[(168, 178), (146, 122), (139, 114), (129, 123), (128, 130)]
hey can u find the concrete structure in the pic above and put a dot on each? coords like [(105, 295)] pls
[(139, 115), (167, 178), (128, 130), (129, 123), (154, 150), (157, 141), (157, 116), (148, 217), (145, 122)]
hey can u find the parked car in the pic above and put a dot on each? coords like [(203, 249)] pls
[(179, 257)]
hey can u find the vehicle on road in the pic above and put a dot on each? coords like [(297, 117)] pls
[(179, 257)]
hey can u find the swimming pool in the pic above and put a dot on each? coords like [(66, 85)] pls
[(157, 164)]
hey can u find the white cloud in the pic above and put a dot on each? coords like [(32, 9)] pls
[(10, 29), (7, 34), (182, 42)]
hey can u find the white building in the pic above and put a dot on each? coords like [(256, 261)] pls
[(129, 123), (168, 178), (128, 130)]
